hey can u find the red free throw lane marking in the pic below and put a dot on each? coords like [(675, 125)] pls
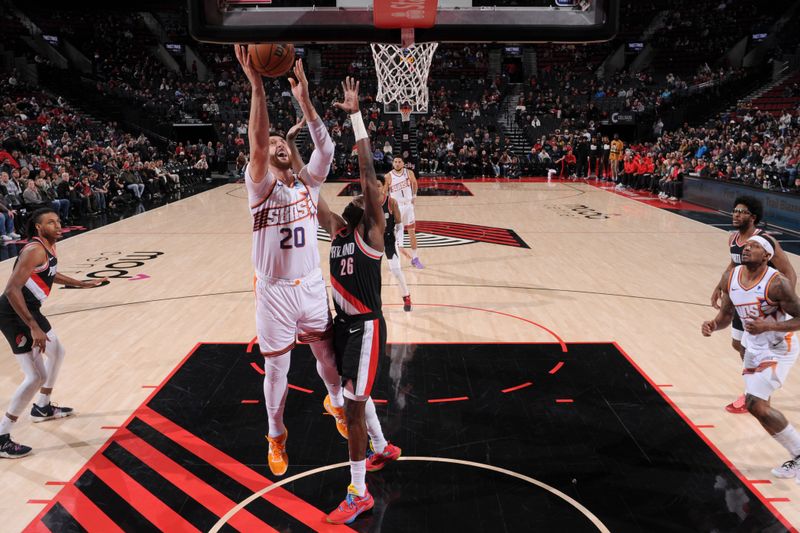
[(760, 481), (557, 367), (701, 426), (83, 510), (149, 386), (564, 400), (249, 401), (705, 439), (39, 501), (301, 389), (258, 368), (69, 491), (141, 499), (780, 500), (443, 400), (56, 483), (518, 387), (664, 385), (281, 498), (194, 487)]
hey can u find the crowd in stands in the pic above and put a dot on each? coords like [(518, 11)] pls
[(52, 155), (562, 109), (756, 149)]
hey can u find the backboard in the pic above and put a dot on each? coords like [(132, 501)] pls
[(353, 21)]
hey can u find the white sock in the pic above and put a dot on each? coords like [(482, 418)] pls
[(414, 253), (42, 400), (789, 439), (276, 385), (358, 473), (326, 368), (397, 272), (374, 429), (5, 425)]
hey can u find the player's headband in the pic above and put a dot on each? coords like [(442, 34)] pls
[(764, 244)]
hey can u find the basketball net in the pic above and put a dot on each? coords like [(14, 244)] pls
[(403, 74)]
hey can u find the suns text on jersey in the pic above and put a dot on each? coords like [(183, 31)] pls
[(284, 214)]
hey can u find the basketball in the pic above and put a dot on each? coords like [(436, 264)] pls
[(271, 59)]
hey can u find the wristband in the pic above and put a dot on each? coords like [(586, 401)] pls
[(358, 126)]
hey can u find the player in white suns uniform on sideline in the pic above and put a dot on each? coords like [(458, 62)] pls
[(402, 185), (291, 300), (769, 310)]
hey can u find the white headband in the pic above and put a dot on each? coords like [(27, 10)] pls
[(764, 244)]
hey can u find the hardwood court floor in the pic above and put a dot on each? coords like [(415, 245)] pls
[(599, 268)]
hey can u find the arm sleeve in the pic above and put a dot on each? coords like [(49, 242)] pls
[(322, 157)]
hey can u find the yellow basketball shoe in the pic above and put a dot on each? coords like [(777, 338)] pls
[(338, 414), (276, 456)]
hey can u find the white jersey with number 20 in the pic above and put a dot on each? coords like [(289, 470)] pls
[(284, 225)]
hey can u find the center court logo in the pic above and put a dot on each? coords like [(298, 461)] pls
[(438, 234)]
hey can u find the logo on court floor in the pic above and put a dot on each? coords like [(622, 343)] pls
[(437, 234), (112, 265), (579, 211)]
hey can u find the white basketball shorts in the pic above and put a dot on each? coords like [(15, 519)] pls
[(288, 310)]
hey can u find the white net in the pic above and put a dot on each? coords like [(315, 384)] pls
[(403, 73)]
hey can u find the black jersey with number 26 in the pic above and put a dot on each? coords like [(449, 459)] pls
[(355, 275)]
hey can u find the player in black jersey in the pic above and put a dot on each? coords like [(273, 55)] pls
[(359, 330), (747, 213), (28, 330), (392, 235)]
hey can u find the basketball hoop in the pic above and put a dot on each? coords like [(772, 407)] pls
[(403, 74), (405, 112)]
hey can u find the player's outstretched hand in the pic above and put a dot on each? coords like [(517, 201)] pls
[(291, 135), (300, 83), (709, 326), (247, 66), (350, 89), (88, 284)]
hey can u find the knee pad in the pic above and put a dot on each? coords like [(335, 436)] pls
[(276, 367)]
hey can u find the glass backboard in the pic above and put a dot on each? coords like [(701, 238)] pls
[(352, 21)]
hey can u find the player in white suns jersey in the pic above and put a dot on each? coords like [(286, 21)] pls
[(747, 213), (402, 185), (291, 300), (770, 312)]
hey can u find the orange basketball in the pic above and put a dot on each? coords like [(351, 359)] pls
[(271, 60)]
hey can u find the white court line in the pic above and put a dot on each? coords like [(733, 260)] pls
[(241, 505)]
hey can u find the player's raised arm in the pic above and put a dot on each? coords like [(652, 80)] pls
[(332, 222), (321, 158), (373, 213), (258, 129), (294, 152)]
